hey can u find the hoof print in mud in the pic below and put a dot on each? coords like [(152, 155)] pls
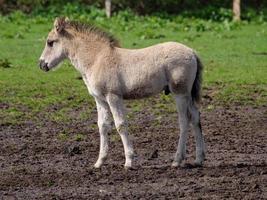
[(154, 155), (72, 150)]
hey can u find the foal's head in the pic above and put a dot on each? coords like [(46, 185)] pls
[(57, 43), (54, 51)]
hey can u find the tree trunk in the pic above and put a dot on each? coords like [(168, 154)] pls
[(236, 10), (2, 2), (108, 8)]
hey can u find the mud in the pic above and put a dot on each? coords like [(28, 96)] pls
[(37, 162)]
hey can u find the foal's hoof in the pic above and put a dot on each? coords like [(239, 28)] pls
[(175, 164), (180, 162), (97, 165), (198, 163), (127, 168)]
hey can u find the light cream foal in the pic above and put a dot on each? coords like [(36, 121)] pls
[(112, 74)]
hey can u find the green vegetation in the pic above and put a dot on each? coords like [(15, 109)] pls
[(207, 9), (79, 137), (234, 55)]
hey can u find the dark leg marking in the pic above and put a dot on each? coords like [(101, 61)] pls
[(199, 123)]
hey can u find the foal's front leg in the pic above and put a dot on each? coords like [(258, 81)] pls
[(104, 124), (117, 109)]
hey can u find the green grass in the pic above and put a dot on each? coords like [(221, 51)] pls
[(234, 57)]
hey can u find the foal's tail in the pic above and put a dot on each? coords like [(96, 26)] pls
[(196, 89)]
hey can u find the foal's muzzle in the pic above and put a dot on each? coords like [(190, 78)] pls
[(43, 65)]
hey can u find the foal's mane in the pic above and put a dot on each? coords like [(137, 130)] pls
[(89, 29)]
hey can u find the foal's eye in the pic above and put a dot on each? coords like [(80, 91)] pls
[(50, 43)]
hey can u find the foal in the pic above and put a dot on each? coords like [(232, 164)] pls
[(112, 74)]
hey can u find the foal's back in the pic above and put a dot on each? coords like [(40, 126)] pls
[(147, 71)]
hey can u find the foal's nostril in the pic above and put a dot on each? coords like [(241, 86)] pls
[(43, 65)]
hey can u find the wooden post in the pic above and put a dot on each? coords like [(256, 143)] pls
[(2, 3), (236, 10), (108, 8)]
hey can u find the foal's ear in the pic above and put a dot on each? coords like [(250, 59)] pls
[(60, 24)]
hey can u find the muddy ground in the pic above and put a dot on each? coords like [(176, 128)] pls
[(39, 162)]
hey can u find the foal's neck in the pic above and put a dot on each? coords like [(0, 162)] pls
[(85, 52)]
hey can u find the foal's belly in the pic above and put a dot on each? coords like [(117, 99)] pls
[(144, 87), (140, 92)]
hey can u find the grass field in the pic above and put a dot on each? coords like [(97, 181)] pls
[(234, 56)]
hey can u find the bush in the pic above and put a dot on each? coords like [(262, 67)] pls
[(207, 9)]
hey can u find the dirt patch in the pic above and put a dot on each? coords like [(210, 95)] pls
[(37, 163)]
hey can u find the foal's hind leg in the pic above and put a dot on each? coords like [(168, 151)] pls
[(200, 145), (119, 115), (104, 124), (182, 106)]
